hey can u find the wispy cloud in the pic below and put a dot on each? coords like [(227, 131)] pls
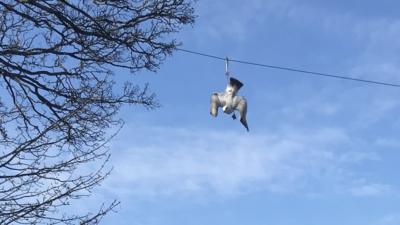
[(372, 42), (371, 189), (388, 142), (183, 162), (231, 21), (393, 219)]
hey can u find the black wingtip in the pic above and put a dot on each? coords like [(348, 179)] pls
[(244, 122), (235, 82)]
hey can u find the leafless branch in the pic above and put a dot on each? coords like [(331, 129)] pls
[(58, 96)]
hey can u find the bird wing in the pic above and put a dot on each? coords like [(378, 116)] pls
[(241, 106), (215, 104)]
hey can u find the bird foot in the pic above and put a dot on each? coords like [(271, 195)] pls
[(234, 116)]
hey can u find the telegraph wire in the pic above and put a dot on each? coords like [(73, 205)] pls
[(311, 73)]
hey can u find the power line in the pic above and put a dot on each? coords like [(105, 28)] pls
[(292, 69)]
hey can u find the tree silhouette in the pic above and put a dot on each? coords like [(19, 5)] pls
[(58, 98)]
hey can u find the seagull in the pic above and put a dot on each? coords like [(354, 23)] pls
[(230, 102)]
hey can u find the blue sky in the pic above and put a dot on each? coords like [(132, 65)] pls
[(319, 150)]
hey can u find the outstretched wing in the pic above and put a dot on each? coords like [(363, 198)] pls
[(242, 108), (215, 104)]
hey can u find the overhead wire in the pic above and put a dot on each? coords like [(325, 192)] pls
[(312, 73)]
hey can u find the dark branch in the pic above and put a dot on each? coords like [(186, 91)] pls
[(59, 101)]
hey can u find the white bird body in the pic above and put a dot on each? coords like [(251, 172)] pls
[(230, 102)]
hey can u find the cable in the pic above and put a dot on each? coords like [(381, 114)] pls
[(292, 69)]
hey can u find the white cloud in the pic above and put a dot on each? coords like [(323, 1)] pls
[(220, 20), (393, 219), (314, 106), (388, 142), (182, 162), (370, 190), (379, 58)]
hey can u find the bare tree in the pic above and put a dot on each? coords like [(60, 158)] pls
[(58, 98)]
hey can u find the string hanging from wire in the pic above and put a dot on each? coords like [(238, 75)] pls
[(312, 73)]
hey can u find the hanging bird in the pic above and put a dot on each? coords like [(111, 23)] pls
[(230, 102)]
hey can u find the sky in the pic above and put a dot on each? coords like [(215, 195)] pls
[(319, 150)]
